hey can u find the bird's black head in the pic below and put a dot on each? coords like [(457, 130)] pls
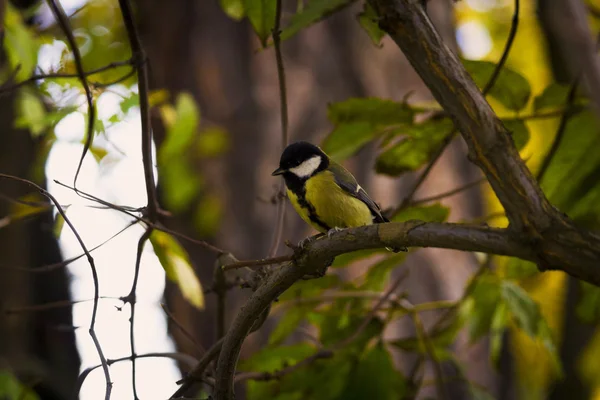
[(301, 160)]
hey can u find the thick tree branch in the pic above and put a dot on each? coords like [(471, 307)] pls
[(490, 144), (320, 253)]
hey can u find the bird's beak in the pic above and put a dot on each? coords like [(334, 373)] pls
[(278, 171)]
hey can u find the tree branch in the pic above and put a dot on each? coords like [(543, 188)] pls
[(320, 253), (490, 144)]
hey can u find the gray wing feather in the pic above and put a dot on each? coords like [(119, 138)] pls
[(346, 181)]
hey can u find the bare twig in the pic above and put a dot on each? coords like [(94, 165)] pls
[(90, 259), (199, 348), (284, 125), (58, 75), (129, 211), (51, 305), (63, 21), (181, 357), (448, 193), (198, 370), (64, 263), (514, 24), (141, 65)]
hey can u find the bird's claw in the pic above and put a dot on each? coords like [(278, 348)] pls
[(332, 231)]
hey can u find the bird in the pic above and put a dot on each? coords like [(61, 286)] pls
[(324, 193)]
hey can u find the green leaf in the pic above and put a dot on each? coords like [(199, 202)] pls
[(375, 377), (31, 112), (525, 311), (497, 328), (98, 152), (375, 111), (431, 213), (213, 142), (359, 120), (233, 8), (12, 389), (286, 325), (346, 259), (588, 308), (511, 89), (20, 44), (572, 181), (378, 274), (175, 261), (133, 100), (310, 288), (180, 184), (554, 96), (270, 359), (519, 269), (368, 20), (314, 11), (420, 143), (182, 132), (59, 223), (518, 130), (347, 139), (208, 215), (481, 305), (261, 14)]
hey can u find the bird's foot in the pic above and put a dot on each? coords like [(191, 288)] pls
[(306, 241), (397, 249), (333, 231)]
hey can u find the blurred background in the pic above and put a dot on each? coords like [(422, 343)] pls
[(216, 122)]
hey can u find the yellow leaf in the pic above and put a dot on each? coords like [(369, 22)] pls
[(175, 261)]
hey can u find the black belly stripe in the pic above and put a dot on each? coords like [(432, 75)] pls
[(312, 212)]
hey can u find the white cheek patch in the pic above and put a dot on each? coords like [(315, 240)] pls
[(307, 168)]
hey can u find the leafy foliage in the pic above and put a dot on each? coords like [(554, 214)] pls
[(314, 11), (261, 14), (12, 389), (368, 20), (415, 149), (512, 90)]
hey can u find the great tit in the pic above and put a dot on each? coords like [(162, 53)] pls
[(323, 192)]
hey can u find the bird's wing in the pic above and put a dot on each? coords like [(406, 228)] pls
[(348, 183)]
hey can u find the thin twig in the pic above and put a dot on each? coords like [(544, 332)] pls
[(141, 64), (129, 211), (448, 193), (198, 370), (90, 259), (58, 75), (63, 21), (514, 24), (131, 298), (200, 349), (51, 305), (284, 125), (560, 132), (64, 263), (181, 357), (257, 263)]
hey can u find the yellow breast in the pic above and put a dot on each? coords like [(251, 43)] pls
[(330, 204)]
